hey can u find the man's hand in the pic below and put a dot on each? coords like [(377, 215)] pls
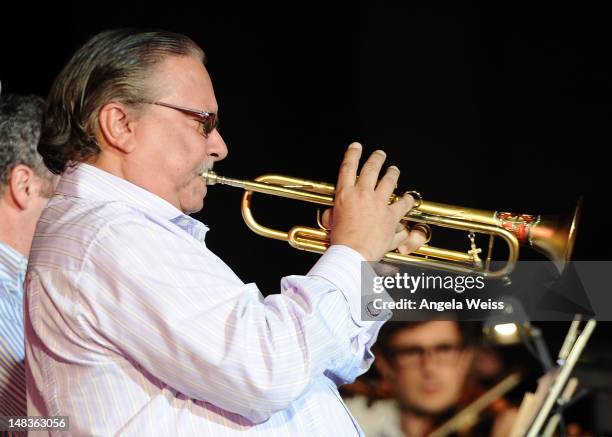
[(362, 217)]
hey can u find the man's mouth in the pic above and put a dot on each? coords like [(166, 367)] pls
[(204, 169), (431, 387)]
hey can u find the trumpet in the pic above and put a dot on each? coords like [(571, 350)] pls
[(553, 236)]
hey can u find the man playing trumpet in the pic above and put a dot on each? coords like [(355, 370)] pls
[(133, 326)]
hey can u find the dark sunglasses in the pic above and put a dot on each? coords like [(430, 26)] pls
[(208, 120)]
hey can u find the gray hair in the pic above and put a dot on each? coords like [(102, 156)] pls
[(113, 66), (20, 124)]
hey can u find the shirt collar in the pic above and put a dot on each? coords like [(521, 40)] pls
[(13, 267), (89, 182), (190, 225)]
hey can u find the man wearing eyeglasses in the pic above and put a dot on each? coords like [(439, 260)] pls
[(134, 326), (425, 367)]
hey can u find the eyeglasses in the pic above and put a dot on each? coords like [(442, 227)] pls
[(411, 356), (208, 120)]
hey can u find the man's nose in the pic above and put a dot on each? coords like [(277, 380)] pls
[(429, 361), (216, 147)]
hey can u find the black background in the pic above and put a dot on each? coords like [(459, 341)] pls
[(496, 107)]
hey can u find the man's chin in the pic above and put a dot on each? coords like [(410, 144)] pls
[(193, 206), (192, 209), (433, 408), (429, 407), (192, 195)]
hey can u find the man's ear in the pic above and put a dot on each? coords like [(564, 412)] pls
[(21, 185), (116, 128)]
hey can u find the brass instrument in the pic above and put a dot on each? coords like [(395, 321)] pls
[(553, 236)]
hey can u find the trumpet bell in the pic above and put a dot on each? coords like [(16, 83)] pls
[(555, 236)]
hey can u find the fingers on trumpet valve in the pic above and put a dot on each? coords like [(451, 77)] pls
[(409, 238), (325, 219)]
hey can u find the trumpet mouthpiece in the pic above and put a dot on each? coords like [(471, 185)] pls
[(209, 176)]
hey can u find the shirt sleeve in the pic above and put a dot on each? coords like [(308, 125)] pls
[(164, 301), (343, 265)]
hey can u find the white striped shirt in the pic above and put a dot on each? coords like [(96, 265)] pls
[(134, 327), (12, 378)]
